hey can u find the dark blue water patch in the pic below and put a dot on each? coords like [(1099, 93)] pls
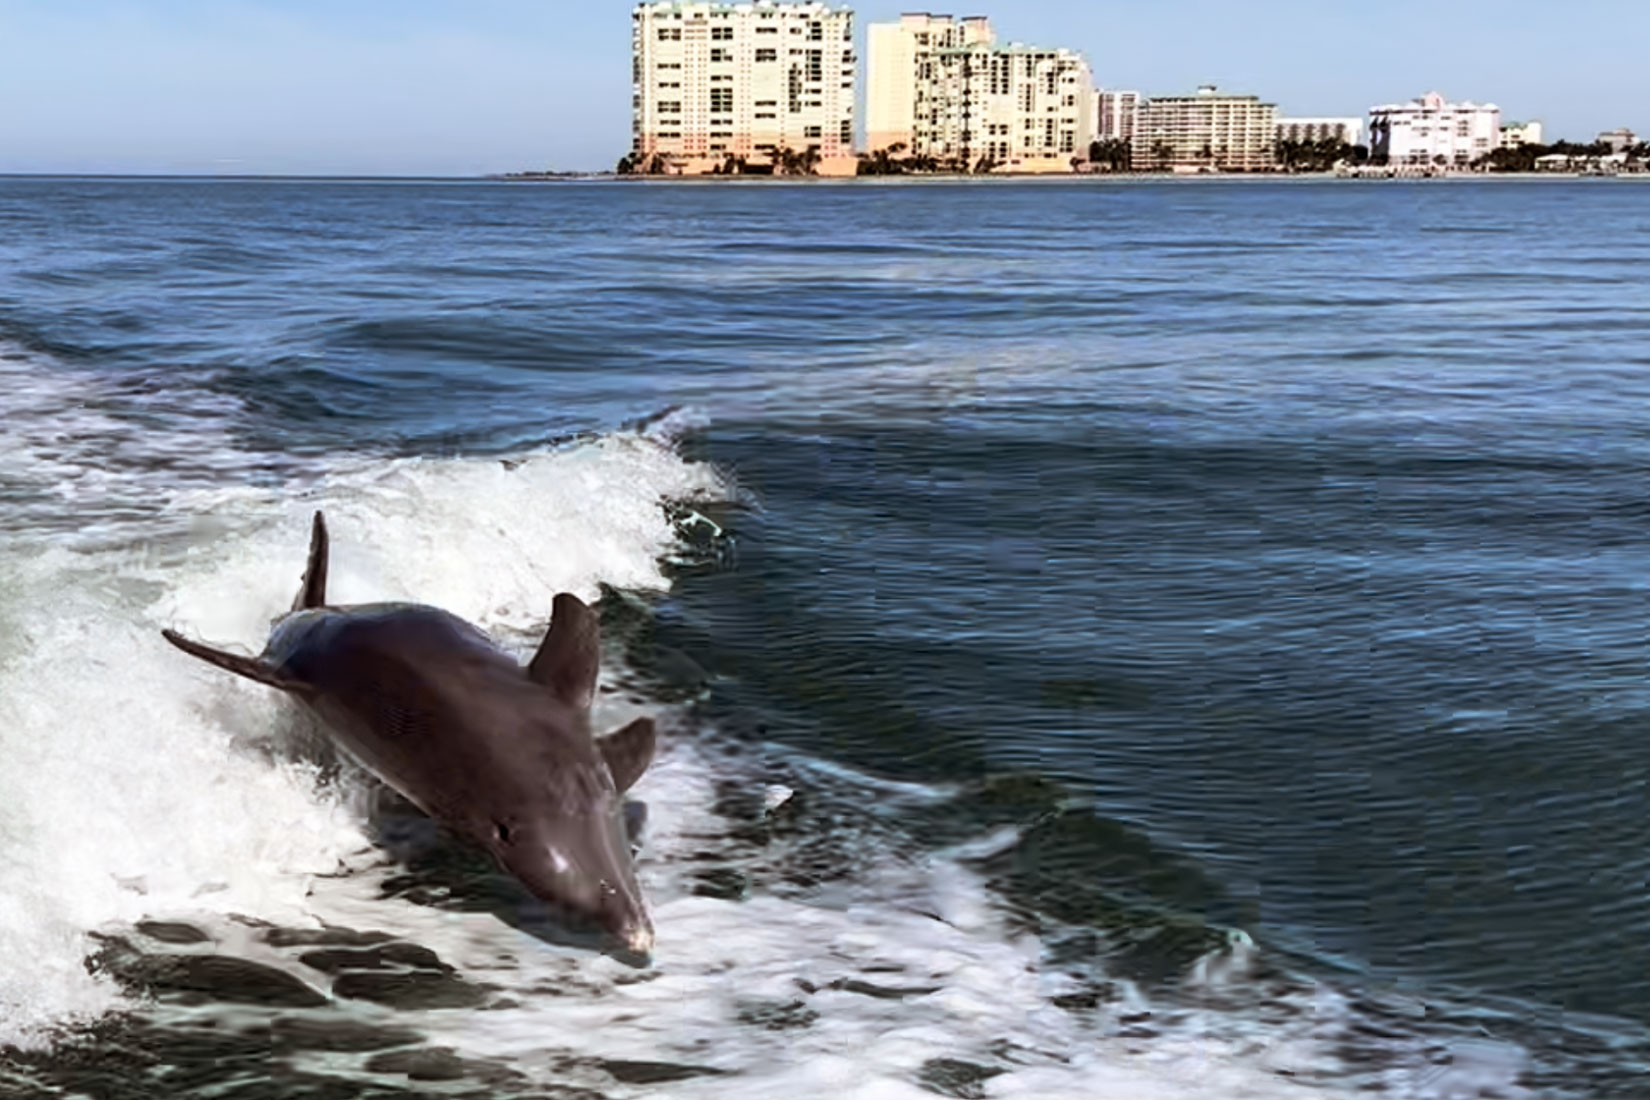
[(1297, 527), (1257, 647)]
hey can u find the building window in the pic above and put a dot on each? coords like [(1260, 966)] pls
[(846, 132), (719, 54), (812, 131), (816, 32), (721, 101), (767, 30), (670, 34), (767, 54), (721, 34)]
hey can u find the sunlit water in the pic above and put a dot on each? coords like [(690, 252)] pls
[(1112, 640)]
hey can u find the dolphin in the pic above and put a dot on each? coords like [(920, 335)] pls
[(502, 755)]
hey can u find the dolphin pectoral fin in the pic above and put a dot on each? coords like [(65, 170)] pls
[(250, 667), (635, 820), (628, 752), (568, 659), (312, 591)]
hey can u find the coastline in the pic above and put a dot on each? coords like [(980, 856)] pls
[(923, 179), (1113, 178)]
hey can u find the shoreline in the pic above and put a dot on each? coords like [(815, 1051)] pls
[(917, 179)]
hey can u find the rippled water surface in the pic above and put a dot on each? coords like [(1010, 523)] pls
[(1117, 639)]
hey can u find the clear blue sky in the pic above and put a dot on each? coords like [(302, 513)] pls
[(467, 86)]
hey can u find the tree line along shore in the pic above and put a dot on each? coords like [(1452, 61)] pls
[(1117, 156)]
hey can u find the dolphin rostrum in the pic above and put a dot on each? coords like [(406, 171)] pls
[(502, 755)]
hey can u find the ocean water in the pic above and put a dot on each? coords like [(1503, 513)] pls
[(1161, 639)]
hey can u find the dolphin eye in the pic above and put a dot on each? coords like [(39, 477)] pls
[(502, 831)]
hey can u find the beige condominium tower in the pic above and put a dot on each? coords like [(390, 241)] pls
[(1210, 131), (745, 80), (946, 88)]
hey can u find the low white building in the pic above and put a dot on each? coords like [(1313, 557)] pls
[(1516, 134), (1431, 131), (1349, 131), (1116, 115)]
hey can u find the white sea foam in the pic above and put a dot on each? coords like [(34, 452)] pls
[(130, 786), (859, 996), (127, 787), (81, 452)]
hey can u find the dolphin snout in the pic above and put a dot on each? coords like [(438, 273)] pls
[(640, 940), (626, 920), (587, 875)]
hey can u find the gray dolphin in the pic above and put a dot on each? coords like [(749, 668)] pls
[(502, 755)]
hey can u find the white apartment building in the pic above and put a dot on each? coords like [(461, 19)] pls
[(1515, 134), (1618, 140), (713, 80), (1349, 131), (1116, 115), (945, 88), (1209, 131), (1432, 131)]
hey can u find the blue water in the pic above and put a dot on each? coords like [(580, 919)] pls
[(1279, 547)]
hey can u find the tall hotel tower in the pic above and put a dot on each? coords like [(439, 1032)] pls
[(714, 80), (946, 88)]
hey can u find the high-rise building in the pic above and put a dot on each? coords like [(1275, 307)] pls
[(900, 67), (1433, 132), (746, 80), (1348, 131), (1116, 115), (1209, 131), (947, 89)]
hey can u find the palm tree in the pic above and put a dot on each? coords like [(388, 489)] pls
[(1163, 153)]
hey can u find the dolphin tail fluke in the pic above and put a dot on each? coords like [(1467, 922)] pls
[(250, 667), (313, 591), (569, 658), (628, 752)]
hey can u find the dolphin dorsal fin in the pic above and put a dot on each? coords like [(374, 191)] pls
[(628, 752), (570, 656), (312, 592), (253, 668)]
